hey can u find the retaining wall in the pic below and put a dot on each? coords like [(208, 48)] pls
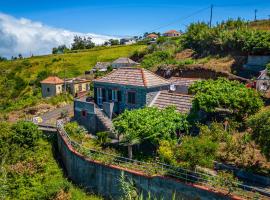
[(104, 179)]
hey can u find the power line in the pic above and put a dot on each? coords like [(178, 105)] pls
[(181, 19)]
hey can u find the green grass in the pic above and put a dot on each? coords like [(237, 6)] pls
[(19, 80), (73, 63)]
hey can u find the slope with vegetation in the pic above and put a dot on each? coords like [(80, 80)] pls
[(19, 83), (28, 169), (223, 47)]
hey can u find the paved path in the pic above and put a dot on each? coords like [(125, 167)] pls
[(49, 118)]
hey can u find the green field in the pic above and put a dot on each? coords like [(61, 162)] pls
[(19, 81)]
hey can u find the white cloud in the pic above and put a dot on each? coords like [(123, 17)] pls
[(27, 37)]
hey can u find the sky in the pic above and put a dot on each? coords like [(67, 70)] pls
[(63, 19)]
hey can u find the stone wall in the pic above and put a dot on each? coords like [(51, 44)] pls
[(104, 179)]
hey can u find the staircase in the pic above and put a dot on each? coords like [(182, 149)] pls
[(106, 121)]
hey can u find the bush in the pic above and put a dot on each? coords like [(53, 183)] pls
[(156, 58), (103, 138), (197, 151), (166, 151), (75, 131), (230, 36), (260, 125), (222, 93), (25, 134)]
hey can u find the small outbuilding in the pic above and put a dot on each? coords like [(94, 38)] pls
[(124, 62), (52, 86), (78, 87)]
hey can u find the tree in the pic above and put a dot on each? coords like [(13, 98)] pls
[(25, 134), (211, 95), (82, 43), (2, 58), (114, 42), (59, 49), (20, 56), (151, 124), (260, 125)]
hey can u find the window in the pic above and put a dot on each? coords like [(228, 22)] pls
[(131, 97), (84, 113), (99, 96), (48, 89), (80, 87), (114, 95)]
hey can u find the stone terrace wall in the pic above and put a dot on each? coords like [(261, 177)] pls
[(103, 179)]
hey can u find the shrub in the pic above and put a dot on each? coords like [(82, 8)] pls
[(156, 58), (197, 151), (103, 138), (75, 131), (166, 151), (260, 125), (25, 134), (222, 93)]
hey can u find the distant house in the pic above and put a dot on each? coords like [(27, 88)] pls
[(152, 36), (123, 62), (172, 33), (77, 86), (127, 41), (101, 66), (126, 88), (52, 86)]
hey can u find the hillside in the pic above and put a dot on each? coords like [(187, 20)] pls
[(261, 24), (19, 83)]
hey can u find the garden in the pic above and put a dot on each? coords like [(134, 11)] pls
[(224, 126)]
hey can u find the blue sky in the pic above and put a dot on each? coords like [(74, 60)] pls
[(119, 17)]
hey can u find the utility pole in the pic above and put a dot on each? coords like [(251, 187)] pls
[(211, 15), (255, 12)]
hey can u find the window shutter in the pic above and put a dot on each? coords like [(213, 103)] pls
[(95, 94), (110, 94), (119, 96), (104, 94)]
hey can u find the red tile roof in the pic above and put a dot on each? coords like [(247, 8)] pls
[(152, 35), (172, 31), (182, 102), (52, 80), (133, 76)]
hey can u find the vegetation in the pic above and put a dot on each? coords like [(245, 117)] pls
[(149, 124), (82, 43), (28, 169), (211, 95), (20, 80), (260, 125), (229, 36)]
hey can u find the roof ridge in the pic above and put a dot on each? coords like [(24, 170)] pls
[(143, 77), (156, 75)]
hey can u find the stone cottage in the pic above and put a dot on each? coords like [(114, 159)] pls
[(126, 88), (52, 86), (78, 86)]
